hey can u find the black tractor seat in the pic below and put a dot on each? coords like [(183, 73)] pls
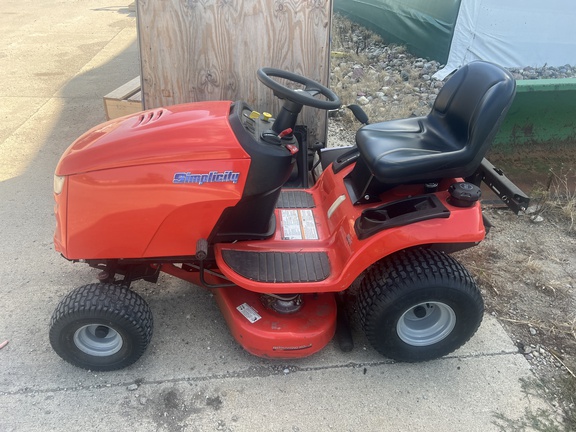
[(451, 141)]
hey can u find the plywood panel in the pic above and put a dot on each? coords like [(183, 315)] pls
[(194, 50)]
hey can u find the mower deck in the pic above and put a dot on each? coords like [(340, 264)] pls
[(265, 332)]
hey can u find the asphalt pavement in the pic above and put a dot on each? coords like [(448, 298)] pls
[(57, 60)]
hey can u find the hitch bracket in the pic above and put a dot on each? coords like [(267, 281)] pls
[(508, 192)]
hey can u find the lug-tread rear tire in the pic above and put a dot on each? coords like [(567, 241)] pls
[(101, 327), (418, 305)]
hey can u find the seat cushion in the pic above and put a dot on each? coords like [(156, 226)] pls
[(407, 150)]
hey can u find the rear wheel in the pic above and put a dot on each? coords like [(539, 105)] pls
[(101, 327), (419, 305)]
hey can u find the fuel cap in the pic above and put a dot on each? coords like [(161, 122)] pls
[(464, 194)]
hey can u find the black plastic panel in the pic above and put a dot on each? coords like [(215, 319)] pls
[(295, 200), (399, 213), (270, 167), (279, 266)]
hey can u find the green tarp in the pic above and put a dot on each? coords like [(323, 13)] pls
[(424, 26)]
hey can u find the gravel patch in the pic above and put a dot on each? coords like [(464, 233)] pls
[(388, 82)]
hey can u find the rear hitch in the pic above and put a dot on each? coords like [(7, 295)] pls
[(508, 192)]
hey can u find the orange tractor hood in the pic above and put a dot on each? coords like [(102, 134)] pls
[(194, 131)]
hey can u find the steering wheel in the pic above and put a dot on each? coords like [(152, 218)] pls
[(302, 97)]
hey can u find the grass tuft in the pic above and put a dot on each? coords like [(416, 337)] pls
[(558, 197)]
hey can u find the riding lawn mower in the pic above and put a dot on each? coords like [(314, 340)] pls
[(226, 198)]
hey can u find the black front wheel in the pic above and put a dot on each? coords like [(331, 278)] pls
[(419, 305), (101, 327)]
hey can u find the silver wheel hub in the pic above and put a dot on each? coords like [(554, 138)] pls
[(98, 340), (426, 323)]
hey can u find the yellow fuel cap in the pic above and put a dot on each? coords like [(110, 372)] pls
[(266, 116)]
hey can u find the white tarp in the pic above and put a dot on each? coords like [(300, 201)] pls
[(513, 33)]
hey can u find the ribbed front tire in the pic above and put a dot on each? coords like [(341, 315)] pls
[(101, 327)]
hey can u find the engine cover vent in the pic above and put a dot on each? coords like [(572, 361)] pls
[(149, 117)]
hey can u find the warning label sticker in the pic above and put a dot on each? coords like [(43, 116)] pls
[(249, 312), (298, 224)]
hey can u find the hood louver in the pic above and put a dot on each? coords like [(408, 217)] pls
[(149, 117)]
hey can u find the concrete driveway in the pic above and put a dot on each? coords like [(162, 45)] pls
[(57, 60)]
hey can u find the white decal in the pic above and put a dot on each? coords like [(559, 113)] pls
[(298, 225), (249, 312)]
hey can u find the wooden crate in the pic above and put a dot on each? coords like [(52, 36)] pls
[(125, 100)]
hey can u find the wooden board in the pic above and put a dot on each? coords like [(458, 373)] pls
[(193, 50), (125, 100)]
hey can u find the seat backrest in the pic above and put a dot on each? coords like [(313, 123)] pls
[(472, 104)]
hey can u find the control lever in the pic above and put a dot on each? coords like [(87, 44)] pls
[(285, 133), (272, 137), (358, 112)]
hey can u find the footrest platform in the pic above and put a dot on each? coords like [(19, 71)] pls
[(280, 267)]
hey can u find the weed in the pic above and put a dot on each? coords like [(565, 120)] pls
[(559, 195)]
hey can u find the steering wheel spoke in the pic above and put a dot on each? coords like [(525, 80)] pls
[(312, 90)]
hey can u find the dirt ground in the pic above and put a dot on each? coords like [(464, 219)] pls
[(527, 264), (526, 269)]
